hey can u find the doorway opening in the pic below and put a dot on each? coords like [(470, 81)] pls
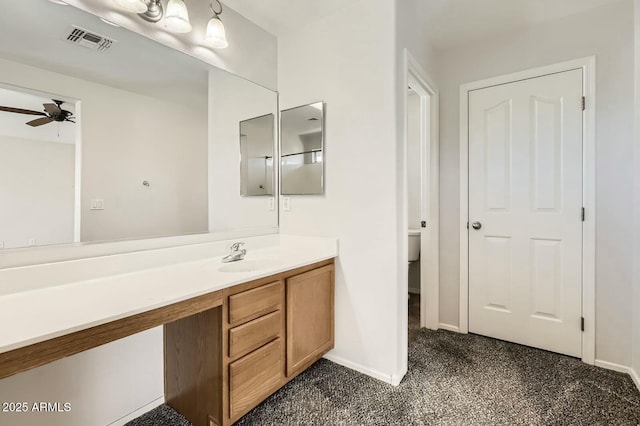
[(422, 199)]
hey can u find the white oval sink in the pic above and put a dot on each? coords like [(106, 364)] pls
[(249, 265)]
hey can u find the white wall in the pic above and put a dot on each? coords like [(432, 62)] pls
[(606, 32), (347, 60), (232, 100), (37, 192)]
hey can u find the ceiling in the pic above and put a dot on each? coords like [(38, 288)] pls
[(448, 22), (282, 16), (452, 23)]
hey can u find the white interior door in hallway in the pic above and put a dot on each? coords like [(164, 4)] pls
[(525, 212)]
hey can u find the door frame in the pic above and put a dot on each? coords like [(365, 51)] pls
[(424, 87), (588, 67)]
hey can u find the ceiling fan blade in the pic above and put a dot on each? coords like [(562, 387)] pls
[(52, 109), (40, 121), (21, 111), (70, 121)]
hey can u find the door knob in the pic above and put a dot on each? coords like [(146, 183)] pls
[(476, 225)]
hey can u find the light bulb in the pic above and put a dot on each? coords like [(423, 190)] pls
[(135, 6), (176, 18), (216, 36)]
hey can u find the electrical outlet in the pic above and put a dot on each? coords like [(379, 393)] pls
[(286, 204), (32, 242), (272, 204), (1, 244)]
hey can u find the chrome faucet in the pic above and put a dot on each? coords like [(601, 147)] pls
[(237, 253)]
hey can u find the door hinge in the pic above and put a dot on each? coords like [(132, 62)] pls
[(583, 214), (467, 225), (582, 324), (584, 103)]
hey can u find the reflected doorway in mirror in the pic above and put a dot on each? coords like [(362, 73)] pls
[(39, 168)]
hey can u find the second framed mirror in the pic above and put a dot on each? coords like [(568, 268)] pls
[(302, 150)]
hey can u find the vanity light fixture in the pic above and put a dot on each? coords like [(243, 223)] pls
[(154, 12), (136, 6), (176, 18), (216, 35)]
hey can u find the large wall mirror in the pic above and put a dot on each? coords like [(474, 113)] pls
[(129, 142), (302, 150)]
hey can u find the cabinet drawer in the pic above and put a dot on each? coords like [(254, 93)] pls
[(255, 303), (247, 337), (255, 377)]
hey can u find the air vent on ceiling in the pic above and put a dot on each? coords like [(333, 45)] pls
[(88, 39)]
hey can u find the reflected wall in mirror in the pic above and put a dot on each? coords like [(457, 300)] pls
[(302, 150), (144, 135), (38, 146), (257, 141), (233, 100)]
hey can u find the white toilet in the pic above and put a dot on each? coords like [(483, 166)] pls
[(414, 245)]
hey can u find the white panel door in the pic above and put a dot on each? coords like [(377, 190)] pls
[(525, 199)]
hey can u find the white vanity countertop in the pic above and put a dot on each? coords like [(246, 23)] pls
[(41, 314)]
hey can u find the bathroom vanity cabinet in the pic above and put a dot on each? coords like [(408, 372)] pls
[(231, 339), (223, 362)]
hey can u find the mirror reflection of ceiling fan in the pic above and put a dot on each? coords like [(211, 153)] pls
[(52, 112)]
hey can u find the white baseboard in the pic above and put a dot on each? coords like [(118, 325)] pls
[(140, 411), (393, 379), (612, 366), (621, 369), (449, 327)]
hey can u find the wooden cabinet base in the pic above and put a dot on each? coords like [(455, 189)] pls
[(222, 363)]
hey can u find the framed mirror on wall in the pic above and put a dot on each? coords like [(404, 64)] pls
[(302, 150), (147, 167)]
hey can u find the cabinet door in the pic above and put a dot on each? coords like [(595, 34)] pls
[(309, 317)]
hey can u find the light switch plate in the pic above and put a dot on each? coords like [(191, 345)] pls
[(97, 204), (272, 204), (286, 204)]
